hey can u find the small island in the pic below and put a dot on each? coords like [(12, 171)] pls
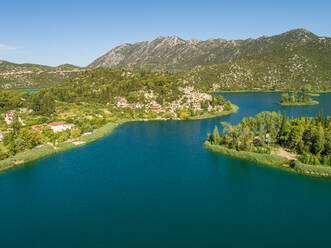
[(299, 99), (302, 145)]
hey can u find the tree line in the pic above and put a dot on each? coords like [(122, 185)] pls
[(309, 137)]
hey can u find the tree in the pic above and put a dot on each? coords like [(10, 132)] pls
[(283, 126), (220, 100), (31, 137), (227, 106), (307, 88), (16, 125), (216, 135), (75, 133), (64, 136), (184, 114), (319, 141), (285, 97)]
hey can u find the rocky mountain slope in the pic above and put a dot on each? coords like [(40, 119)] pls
[(24, 76), (286, 67), (175, 54)]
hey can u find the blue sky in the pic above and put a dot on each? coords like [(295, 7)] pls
[(57, 32)]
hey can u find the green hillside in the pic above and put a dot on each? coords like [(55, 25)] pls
[(29, 76), (288, 67)]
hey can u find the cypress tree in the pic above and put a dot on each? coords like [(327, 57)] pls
[(216, 135), (283, 126), (283, 130)]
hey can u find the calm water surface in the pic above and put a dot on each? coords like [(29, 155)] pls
[(151, 184)]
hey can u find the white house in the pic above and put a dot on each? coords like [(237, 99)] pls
[(60, 127)]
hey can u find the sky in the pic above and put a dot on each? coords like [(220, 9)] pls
[(77, 32)]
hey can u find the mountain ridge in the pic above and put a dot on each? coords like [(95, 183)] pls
[(175, 54)]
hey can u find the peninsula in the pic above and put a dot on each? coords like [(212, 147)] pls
[(302, 144)]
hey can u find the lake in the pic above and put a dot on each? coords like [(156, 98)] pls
[(152, 184)]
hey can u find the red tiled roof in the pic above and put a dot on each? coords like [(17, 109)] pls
[(55, 124), (38, 125)]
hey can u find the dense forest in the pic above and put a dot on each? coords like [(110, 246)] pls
[(308, 137)]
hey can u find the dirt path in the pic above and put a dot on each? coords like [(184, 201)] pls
[(283, 153)]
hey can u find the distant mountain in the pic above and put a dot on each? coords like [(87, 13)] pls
[(285, 67), (175, 54), (24, 76)]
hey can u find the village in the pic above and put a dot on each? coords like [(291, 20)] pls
[(25, 128), (194, 101), (190, 100)]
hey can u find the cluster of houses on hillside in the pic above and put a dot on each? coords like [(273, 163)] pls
[(152, 105)]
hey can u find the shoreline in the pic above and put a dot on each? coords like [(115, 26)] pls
[(47, 150), (272, 160), (266, 91)]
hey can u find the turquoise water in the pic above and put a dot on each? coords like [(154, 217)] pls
[(29, 91), (151, 184)]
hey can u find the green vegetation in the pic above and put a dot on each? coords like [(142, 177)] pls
[(268, 159), (281, 68), (293, 99), (90, 106), (228, 111), (306, 139), (32, 76)]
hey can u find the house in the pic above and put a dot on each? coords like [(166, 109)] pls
[(38, 127), (137, 105), (196, 106), (122, 102), (158, 109), (60, 127), (9, 116), (219, 108), (175, 106)]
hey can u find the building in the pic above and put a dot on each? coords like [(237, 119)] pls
[(175, 106), (137, 105), (9, 116), (60, 127), (219, 108), (196, 106), (122, 102), (38, 127)]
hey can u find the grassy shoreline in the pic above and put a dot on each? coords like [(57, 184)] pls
[(234, 109), (48, 150), (314, 102), (272, 160)]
